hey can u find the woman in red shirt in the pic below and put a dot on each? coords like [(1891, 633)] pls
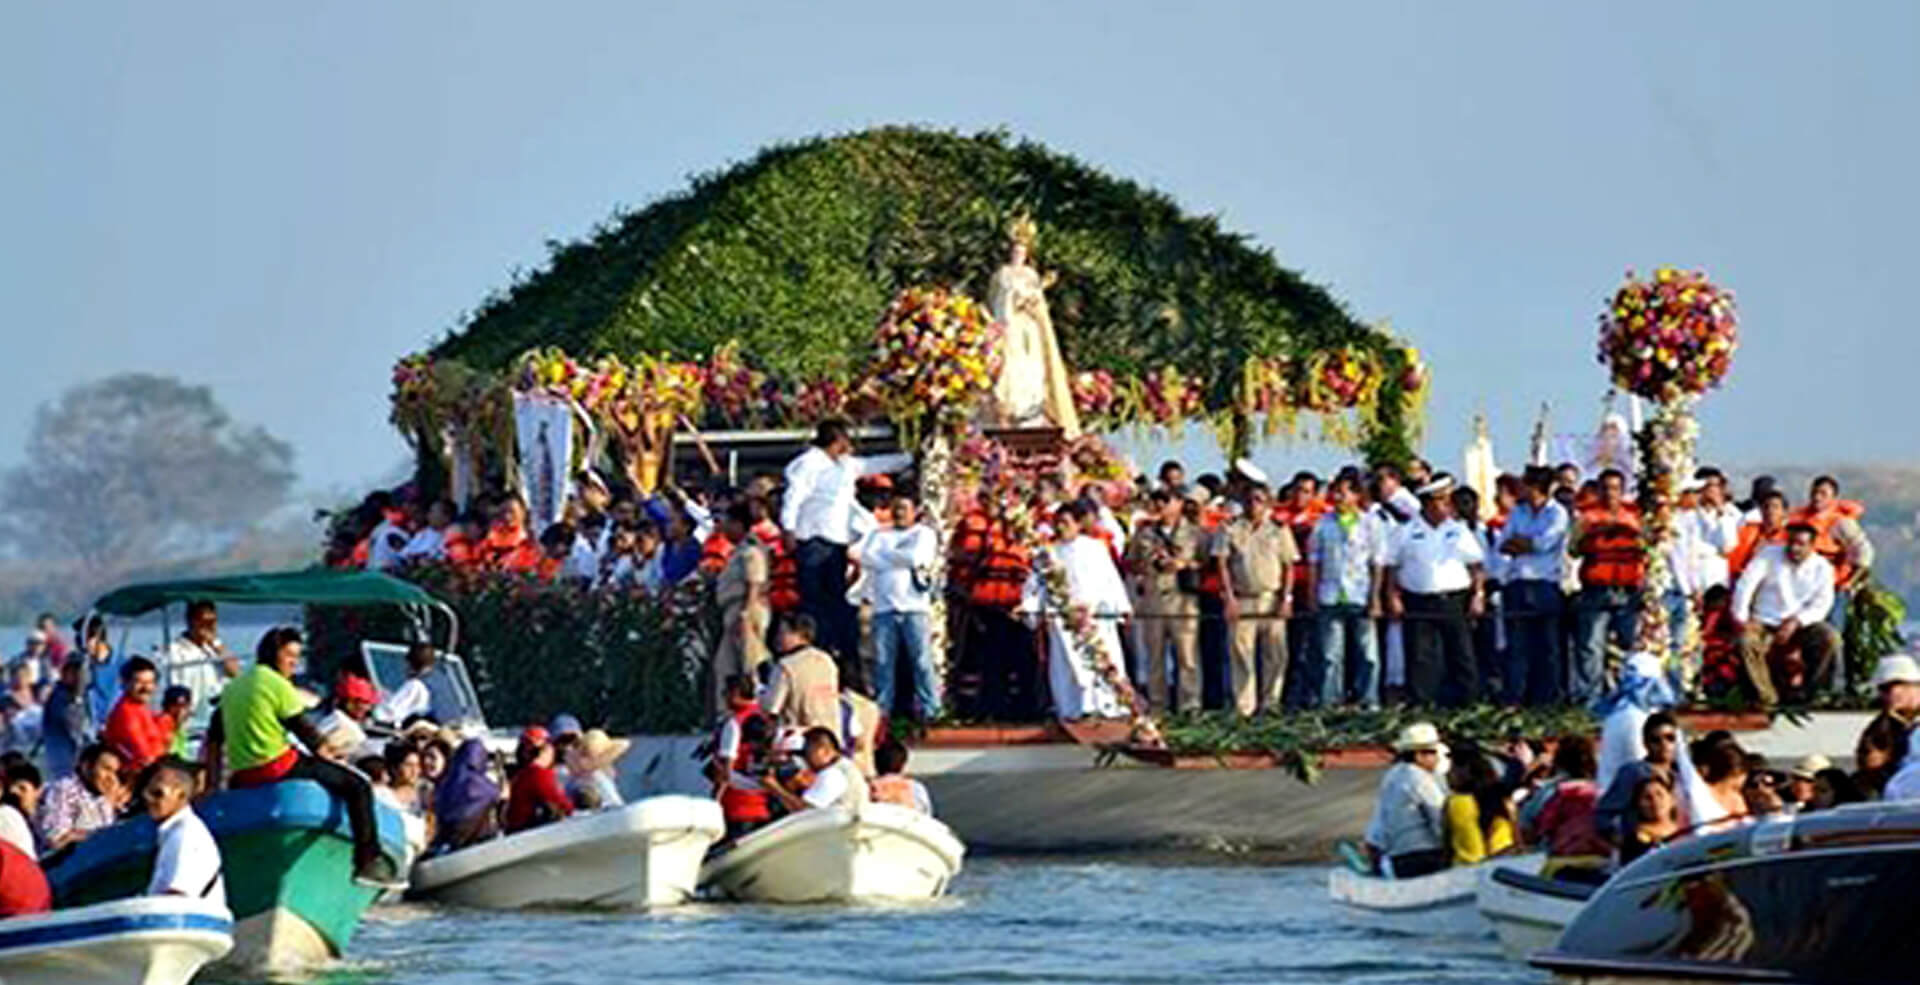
[(536, 796)]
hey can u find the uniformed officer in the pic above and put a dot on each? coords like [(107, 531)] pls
[(1435, 582), (1256, 556)]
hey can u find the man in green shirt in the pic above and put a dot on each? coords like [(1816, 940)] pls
[(249, 738)]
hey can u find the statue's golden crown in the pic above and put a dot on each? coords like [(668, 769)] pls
[(1021, 229)]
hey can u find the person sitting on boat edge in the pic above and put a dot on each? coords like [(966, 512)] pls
[(17, 807), (134, 729), (591, 783), (836, 781), (893, 785), (248, 736), (1404, 838), (465, 800), (535, 796), (187, 859), (1479, 814), (1660, 734), (82, 802), (1575, 851)]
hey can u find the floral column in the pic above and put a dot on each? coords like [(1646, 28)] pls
[(1669, 339)]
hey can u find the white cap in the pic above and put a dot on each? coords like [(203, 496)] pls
[(1197, 493), (1419, 736), (1254, 473), (1440, 485), (1807, 767), (1694, 484), (1896, 668)]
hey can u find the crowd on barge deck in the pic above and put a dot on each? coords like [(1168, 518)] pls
[(1591, 811), (1368, 586)]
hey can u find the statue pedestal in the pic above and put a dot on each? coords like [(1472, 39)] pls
[(1031, 450)]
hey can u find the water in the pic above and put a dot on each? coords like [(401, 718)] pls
[(1009, 921)]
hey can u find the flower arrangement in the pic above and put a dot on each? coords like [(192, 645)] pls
[(1095, 395), (1340, 379), (1669, 337), (1167, 398), (415, 400), (1089, 458), (670, 387), (550, 371), (731, 388), (935, 356)]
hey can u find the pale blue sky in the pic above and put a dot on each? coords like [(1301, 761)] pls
[(279, 199)]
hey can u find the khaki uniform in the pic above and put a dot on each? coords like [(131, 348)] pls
[(866, 721), (1167, 614), (806, 692), (1258, 559), (742, 648)]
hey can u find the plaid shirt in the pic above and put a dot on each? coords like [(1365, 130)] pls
[(69, 807)]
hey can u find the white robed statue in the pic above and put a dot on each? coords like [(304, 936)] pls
[(1079, 690), (1033, 388)]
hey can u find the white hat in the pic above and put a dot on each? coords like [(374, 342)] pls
[(1418, 737), (1440, 485), (1807, 767), (1254, 473), (1896, 668), (1198, 494), (1694, 484)]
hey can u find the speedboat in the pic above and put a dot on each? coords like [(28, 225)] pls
[(880, 853), (643, 854), (1825, 898), (1527, 911), (1437, 903), (287, 852), (148, 940)]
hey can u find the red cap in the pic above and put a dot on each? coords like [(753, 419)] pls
[(535, 735), (353, 687)]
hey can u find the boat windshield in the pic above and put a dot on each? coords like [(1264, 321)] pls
[(455, 702)]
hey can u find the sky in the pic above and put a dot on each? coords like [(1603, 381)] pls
[(278, 200)]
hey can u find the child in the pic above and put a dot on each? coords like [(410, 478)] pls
[(893, 785)]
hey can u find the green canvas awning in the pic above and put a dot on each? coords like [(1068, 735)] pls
[(318, 586)]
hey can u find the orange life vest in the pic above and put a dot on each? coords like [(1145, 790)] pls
[(783, 569), (737, 804), (1824, 543), (1300, 521), (1610, 551), (714, 552), (1751, 539), (891, 789), (1001, 575), (970, 537)]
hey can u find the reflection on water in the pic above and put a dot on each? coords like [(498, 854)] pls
[(1007, 922)]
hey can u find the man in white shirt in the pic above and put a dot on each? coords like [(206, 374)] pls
[(412, 697), (1717, 523), (197, 659), (188, 860), (1781, 606), (898, 562), (836, 782), (1396, 506), (430, 543), (817, 514), (1435, 582), (390, 536)]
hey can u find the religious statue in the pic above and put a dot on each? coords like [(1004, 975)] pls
[(1032, 390)]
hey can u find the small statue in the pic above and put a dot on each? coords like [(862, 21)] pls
[(1033, 388)]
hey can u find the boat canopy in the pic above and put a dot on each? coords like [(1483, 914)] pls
[(317, 586)]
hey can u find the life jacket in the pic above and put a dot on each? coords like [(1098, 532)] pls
[(360, 554), (891, 789), (1750, 541), (460, 548), (1001, 576), (783, 569), (737, 804), (1824, 542), (548, 569), (1300, 522), (508, 549), (969, 546), (714, 553), (1610, 551)]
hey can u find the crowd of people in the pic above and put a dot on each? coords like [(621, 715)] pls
[(1591, 811), (1369, 586)]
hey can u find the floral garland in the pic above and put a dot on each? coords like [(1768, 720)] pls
[(1341, 379), (1669, 337), (1096, 396), (936, 355), (1166, 398)]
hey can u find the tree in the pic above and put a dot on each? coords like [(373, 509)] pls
[(135, 469)]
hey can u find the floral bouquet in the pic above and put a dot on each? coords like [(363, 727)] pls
[(816, 399), (1266, 387), (1669, 337), (550, 371), (1090, 459), (1168, 398), (1414, 374), (935, 359), (415, 398), (1095, 395), (1340, 379), (670, 387), (731, 386)]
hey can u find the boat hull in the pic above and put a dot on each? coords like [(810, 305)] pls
[(287, 856), (159, 940), (1440, 903), (882, 853), (643, 854), (1527, 912), (1822, 899)]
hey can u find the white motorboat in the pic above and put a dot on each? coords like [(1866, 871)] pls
[(1439, 903), (880, 853), (146, 940), (643, 854), (1527, 911)]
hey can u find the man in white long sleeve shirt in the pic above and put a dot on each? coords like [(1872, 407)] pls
[(1781, 606), (817, 514), (898, 560)]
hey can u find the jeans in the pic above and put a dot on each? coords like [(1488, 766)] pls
[(893, 631), (1600, 613), (1533, 671), (823, 595), (1348, 668)]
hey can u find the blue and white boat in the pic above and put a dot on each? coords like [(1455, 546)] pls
[(147, 940)]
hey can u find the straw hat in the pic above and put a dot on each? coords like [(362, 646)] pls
[(597, 750), (1418, 737), (1896, 668), (1806, 768)]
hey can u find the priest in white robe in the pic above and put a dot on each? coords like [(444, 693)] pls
[(1093, 584)]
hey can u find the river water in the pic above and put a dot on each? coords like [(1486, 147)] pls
[(1006, 921)]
